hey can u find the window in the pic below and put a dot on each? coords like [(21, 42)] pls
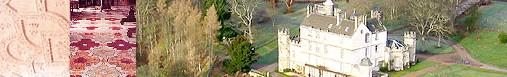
[(366, 37), (376, 48), (366, 52), (376, 36)]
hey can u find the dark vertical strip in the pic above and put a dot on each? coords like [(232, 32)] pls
[(51, 51)]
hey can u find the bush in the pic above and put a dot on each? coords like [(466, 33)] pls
[(472, 22), (242, 57), (503, 37), (456, 37), (288, 70), (384, 68), (221, 6), (228, 67)]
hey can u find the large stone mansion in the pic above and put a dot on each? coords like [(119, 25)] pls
[(338, 43)]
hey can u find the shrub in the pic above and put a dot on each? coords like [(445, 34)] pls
[(242, 57), (384, 68), (228, 67), (288, 70), (472, 22), (456, 37), (503, 37)]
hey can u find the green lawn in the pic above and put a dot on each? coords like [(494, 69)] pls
[(265, 34), (431, 47), (493, 17), (485, 47), (458, 70), (418, 66)]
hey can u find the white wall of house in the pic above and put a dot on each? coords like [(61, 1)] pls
[(337, 52)]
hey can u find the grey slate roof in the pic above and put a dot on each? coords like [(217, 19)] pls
[(397, 43), (322, 22), (374, 25)]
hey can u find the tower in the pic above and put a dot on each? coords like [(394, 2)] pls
[(410, 43), (376, 13), (283, 49), (328, 7), (309, 10)]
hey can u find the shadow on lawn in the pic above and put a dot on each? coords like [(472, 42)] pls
[(265, 60)]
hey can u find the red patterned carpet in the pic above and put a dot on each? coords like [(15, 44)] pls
[(101, 46)]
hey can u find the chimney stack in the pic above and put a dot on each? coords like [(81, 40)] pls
[(355, 22), (364, 19)]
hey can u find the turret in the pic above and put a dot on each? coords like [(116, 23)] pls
[(356, 21), (309, 10), (353, 15), (409, 39), (328, 7), (376, 13), (364, 19), (338, 16), (283, 49)]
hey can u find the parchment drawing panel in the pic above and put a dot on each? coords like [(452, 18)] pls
[(34, 40)]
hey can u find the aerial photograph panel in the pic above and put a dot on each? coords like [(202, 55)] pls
[(321, 38)]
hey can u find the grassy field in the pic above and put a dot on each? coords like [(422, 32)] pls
[(418, 66), (493, 17), (265, 35), (431, 47), (485, 47), (458, 70)]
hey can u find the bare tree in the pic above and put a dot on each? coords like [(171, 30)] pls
[(274, 3), (244, 10), (394, 10), (212, 24), (361, 6), (432, 17), (179, 38), (288, 4)]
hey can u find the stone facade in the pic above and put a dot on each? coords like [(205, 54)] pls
[(334, 44), (402, 54), (410, 43), (34, 38)]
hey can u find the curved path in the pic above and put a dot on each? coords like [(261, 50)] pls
[(459, 56), (465, 57)]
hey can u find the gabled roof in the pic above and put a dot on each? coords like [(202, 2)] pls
[(375, 25), (328, 2), (395, 43), (328, 23)]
